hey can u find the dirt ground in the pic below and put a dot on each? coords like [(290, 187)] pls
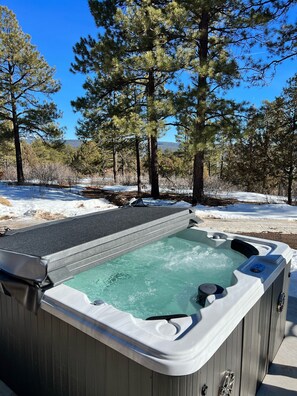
[(276, 230)]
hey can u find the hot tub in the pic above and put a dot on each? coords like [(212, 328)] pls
[(55, 340)]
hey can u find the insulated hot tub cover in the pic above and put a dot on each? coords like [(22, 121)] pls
[(47, 255)]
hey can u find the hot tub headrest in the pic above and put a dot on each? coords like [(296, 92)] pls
[(244, 248)]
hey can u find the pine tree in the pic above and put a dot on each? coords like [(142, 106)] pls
[(285, 134), (219, 36), (107, 119), (282, 44), (150, 45), (249, 161), (24, 78), (133, 55), (264, 158)]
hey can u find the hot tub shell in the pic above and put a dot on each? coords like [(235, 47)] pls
[(70, 346)]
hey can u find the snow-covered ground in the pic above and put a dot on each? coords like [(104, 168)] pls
[(279, 211), (29, 202), (32, 201), (251, 197)]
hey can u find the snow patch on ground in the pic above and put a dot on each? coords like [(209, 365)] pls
[(251, 197), (248, 211), (32, 201)]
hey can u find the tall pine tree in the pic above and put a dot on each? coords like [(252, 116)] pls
[(134, 52), (220, 36), (285, 135), (24, 78)]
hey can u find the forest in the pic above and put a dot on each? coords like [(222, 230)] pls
[(155, 66)]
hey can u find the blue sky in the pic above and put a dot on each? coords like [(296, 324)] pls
[(56, 25)]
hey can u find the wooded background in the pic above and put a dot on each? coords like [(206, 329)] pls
[(156, 65)]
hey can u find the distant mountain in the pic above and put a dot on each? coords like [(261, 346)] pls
[(171, 146), (73, 142)]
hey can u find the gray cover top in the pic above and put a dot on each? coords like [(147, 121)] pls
[(60, 235), (54, 252)]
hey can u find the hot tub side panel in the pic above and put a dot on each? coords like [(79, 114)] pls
[(278, 319), (40, 354), (263, 333), (256, 330), (210, 377)]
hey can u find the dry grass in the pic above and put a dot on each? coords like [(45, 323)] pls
[(6, 217), (289, 239), (5, 202), (40, 214)]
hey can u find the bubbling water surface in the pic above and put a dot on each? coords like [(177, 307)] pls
[(160, 278)]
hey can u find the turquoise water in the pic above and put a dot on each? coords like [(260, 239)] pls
[(161, 278)]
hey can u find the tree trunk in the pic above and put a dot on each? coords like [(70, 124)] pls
[(290, 185), (290, 174), (221, 167), (17, 143), (16, 132), (199, 138), (138, 169), (153, 136), (149, 158), (115, 164), (18, 155), (198, 185), (123, 167), (154, 168)]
